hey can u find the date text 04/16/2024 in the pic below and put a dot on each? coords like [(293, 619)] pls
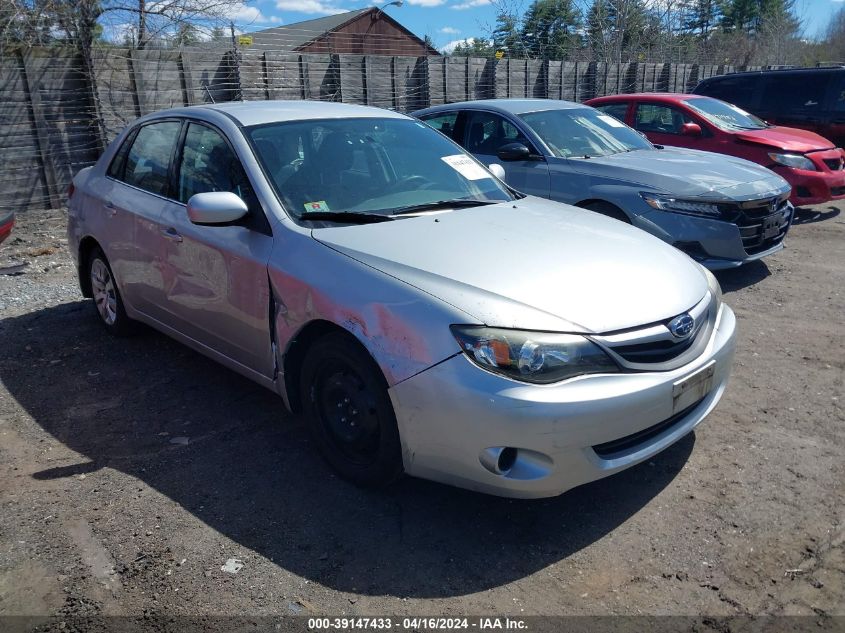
[(417, 624)]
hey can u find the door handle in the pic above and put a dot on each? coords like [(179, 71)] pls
[(171, 234), (111, 209)]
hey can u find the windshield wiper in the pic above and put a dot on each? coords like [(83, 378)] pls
[(444, 204), (351, 217)]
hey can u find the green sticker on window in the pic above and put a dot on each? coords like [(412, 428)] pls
[(319, 205)]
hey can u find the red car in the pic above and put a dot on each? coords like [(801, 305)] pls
[(808, 162), (7, 221)]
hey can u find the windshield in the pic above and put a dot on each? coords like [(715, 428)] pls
[(724, 115), (583, 133), (368, 165)]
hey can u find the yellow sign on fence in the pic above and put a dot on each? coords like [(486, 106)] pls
[(244, 40), (500, 54)]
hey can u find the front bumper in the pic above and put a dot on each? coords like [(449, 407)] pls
[(451, 416), (715, 244), (813, 187), (6, 224)]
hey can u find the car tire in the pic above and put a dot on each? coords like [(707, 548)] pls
[(108, 303), (350, 415), (610, 210)]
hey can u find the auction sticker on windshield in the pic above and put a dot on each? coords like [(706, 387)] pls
[(465, 166), (319, 205), (612, 122)]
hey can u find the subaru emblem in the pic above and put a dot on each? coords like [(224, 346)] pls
[(681, 326)]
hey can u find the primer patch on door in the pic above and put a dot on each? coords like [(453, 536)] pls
[(465, 166), (611, 121), (319, 205)]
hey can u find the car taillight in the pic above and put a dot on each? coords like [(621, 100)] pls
[(70, 191)]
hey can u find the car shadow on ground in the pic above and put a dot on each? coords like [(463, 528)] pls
[(733, 279), (809, 215), (249, 471)]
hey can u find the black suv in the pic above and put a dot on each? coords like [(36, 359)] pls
[(808, 98)]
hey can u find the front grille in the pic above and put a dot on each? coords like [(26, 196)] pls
[(834, 164), (654, 347), (655, 352), (761, 226), (618, 448)]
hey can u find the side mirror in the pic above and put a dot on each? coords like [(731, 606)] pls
[(497, 170), (216, 207), (513, 151), (691, 129)]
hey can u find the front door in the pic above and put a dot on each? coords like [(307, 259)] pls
[(663, 124), (216, 285), (486, 132)]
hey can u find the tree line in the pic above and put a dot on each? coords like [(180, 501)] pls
[(736, 32)]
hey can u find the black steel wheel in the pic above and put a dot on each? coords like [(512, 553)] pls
[(344, 397)]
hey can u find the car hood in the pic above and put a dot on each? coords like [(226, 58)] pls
[(788, 139), (682, 172), (531, 264)]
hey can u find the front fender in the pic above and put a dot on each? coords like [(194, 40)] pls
[(404, 329)]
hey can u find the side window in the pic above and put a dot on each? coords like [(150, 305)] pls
[(616, 110), (803, 92), (115, 169), (444, 123), (148, 160), (740, 91), (209, 164), (651, 117), (486, 132), (839, 94)]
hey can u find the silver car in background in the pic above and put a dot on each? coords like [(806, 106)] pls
[(424, 317), (720, 210)]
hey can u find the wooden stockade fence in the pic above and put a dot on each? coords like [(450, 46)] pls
[(57, 113)]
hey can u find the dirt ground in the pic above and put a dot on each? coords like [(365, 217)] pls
[(132, 471)]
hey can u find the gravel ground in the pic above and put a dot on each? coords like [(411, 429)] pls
[(138, 478)]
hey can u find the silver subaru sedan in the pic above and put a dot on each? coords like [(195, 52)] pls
[(425, 318)]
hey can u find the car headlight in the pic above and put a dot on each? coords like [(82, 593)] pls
[(687, 207), (793, 160), (715, 288), (537, 357)]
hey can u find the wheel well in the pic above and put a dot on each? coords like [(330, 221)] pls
[(86, 246), (604, 207), (297, 350)]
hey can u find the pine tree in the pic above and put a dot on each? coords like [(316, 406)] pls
[(549, 29)]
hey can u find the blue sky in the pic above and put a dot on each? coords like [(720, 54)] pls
[(450, 20)]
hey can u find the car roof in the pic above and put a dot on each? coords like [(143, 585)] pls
[(506, 106), (666, 97), (776, 72), (248, 113)]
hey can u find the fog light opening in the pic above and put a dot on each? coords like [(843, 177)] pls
[(507, 458)]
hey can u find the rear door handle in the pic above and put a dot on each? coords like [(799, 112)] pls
[(171, 234), (111, 209)]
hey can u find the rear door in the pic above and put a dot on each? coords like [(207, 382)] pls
[(485, 132), (133, 199), (617, 109), (215, 277)]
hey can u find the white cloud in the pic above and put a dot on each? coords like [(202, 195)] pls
[(470, 4), (448, 30), (426, 3), (308, 6), (448, 48), (242, 14)]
